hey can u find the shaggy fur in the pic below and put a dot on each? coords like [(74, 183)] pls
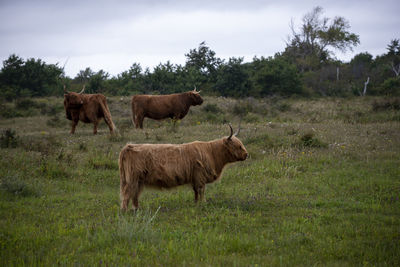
[(168, 165), (158, 107), (88, 108)]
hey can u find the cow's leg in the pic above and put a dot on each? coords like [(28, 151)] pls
[(140, 120), (202, 190), (135, 120), (135, 196), (196, 194), (199, 189), (96, 123), (73, 124)]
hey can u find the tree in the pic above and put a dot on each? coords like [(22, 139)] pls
[(275, 76), (83, 76), (10, 76), (312, 45), (203, 64), (233, 79), (163, 78), (33, 77), (96, 83), (394, 56)]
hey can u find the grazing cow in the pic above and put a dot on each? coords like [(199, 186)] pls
[(88, 108), (168, 165), (158, 107)]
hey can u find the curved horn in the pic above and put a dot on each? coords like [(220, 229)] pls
[(195, 90), (238, 130), (65, 90), (83, 89), (230, 136)]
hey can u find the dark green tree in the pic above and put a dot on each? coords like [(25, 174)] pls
[(275, 76), (129, 82), (97, 82), (233, 79), (203, 64), (83, 76), (33, 77)]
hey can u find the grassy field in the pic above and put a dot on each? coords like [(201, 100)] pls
[(321, 187)]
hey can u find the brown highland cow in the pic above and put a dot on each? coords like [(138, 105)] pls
[(88, 108), (158, 107), (168, 165)]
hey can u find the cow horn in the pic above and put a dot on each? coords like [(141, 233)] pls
[(194, 89), (230, 136), (238, 130), (83, 89), (65, 91)]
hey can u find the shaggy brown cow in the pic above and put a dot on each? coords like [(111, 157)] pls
[(88, 108), (167, 165), (158, 107)]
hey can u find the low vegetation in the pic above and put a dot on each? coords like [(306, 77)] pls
[(320, 187)]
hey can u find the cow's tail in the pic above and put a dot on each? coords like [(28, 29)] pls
[(107, 117), (122, 175), (134, 118), (125, 174)]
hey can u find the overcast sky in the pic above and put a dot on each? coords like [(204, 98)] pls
[(112, 35)]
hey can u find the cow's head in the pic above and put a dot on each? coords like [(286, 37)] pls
[(72, 99), (234, 146), (195, 97)]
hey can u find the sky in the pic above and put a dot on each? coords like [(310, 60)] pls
[(112, 35)]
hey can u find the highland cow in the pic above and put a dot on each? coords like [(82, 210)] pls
[(88, 108), (168, 165), (158, 107)]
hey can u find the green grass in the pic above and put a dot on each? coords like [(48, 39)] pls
[(321, 187)]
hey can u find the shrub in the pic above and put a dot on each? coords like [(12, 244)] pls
[(25, 103), (283, 107), (8, 138), (51, 109), (387, 104), (264, 141), (391, 86), (242, 108), (251, 118), (212, 108), (55, 121), (309, 140), (8, 111), (45, 144), (14, 185)]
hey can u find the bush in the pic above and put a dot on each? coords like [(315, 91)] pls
[(55, 121), (8, 111), (387, 104), (391, 86), (212, 108), (25, 103), (8, 138), (241, 108), (251, 118), (15, 186), (264, 141), (309, 140)]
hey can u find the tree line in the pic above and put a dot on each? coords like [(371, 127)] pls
[(307, 67)]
